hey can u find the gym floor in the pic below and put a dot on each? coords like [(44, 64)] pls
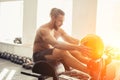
[(12, 71)]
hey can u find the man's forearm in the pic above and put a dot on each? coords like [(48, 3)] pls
[(66, 46), (73, 41)]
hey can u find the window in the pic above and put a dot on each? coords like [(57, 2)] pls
[(11, 19), (44, 7), (108, 21)]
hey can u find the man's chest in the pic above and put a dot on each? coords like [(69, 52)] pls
[(55, 34)]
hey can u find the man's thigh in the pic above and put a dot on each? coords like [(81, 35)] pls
[(77, 53), (37, 56), (56, 55)]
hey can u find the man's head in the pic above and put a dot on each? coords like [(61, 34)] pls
[(57, 16)]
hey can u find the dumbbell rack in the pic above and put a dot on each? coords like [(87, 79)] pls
[(21, 60)]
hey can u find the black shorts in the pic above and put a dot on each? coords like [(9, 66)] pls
[(37, 56)]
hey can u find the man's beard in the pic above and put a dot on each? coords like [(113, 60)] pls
[(55, 27)]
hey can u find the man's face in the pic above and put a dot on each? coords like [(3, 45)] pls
[(58, 22)]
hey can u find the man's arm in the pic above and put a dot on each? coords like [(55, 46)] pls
[(48, 38), (68, 38)]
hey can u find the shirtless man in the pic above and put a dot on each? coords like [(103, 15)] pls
[(46, 46)]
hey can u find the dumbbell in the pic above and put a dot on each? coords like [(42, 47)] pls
[(0, 54), (3, 55), (12, 58), (24, 59), (29, 60), (19, 60), (8, 56), (27, 65), (15, 59)]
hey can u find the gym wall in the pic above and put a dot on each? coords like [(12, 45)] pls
[(84, 17), (21, 50)]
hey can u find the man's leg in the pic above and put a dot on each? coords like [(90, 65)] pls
[(68, 58), (83, 58)]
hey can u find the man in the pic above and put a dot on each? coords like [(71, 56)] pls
[(46, 46)]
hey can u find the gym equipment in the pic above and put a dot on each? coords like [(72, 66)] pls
[(4, 55), (12, 57), (1, 54), (17, 40), (19, 60), (8, 56), (24, 59), (97, 66), (27, 65), (76, 74), (97, 69), (15, 58), (44, 69), (27, 60), (95, 43)]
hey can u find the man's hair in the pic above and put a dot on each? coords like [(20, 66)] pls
[(55, 12)]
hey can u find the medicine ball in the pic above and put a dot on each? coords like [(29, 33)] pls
[(96, 44)]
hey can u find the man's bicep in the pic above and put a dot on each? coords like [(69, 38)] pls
[(48, 38)]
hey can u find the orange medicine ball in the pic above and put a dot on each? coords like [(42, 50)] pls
[(95, 43)]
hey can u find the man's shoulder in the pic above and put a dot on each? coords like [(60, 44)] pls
[(42, 28)]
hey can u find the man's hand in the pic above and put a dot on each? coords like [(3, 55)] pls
[(85, 50)]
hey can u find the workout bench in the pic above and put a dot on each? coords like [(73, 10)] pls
[(43, 70)]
